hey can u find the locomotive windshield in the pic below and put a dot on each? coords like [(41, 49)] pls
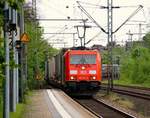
[(83, 59)]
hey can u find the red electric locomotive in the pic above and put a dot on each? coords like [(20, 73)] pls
[(76, 70)]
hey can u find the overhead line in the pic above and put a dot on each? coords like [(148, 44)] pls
[(93, 38), (89, 16), (61, 33), (135, 12), (48, 19), (136, 21), (136, 24), (135, 33), (102, 6)]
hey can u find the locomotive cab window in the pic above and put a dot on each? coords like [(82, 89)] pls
[(83, 59)]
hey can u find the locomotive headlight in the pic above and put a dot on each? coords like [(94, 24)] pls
[(71, 77), (73, 71), (83, 67), (94, 78), (92, 71)]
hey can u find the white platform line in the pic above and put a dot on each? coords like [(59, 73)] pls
[(58, 106)]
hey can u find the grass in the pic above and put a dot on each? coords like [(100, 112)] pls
[(20, 108), (1, 103), (1, 111), (19, 111), (1, 96), (126, 103), (114, 98), (129, 83), (27, 100)]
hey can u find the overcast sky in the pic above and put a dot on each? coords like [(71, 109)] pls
[(61, 9)]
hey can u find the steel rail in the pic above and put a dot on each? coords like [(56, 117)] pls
[(119, 111), (130, 92), (90, 110), (115, 109)]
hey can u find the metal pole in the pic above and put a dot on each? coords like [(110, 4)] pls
[(26, 67), (17, 78), (17, 63), (111, 17), (73, 39), (14, 69), (35, 26), (79, 35), (7, 79), (84, 32), (25, 54), (109, 40), (22, 56), (130, 38), (81, 41), (140, 31)]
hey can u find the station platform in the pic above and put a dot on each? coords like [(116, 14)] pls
[(54, 103)]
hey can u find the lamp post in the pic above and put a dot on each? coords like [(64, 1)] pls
[(81, 30)]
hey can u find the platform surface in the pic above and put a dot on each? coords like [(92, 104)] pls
[(54, 103), (37, 106)]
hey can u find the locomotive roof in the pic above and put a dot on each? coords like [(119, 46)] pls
[(65, 50), (76, 48)]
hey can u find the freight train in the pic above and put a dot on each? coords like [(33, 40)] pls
[(110, 70), (75, 70)]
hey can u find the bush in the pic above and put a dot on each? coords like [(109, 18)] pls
[(136, 66)]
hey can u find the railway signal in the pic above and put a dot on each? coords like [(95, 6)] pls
[(24, 38)]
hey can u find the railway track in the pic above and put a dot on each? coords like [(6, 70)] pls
[(103, 110), (131, 91), (133, 87)]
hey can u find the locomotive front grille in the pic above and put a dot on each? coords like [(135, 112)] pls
[(83, 78)]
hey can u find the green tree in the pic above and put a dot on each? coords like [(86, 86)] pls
[(38, 48), (135, 66), (147, 40)]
